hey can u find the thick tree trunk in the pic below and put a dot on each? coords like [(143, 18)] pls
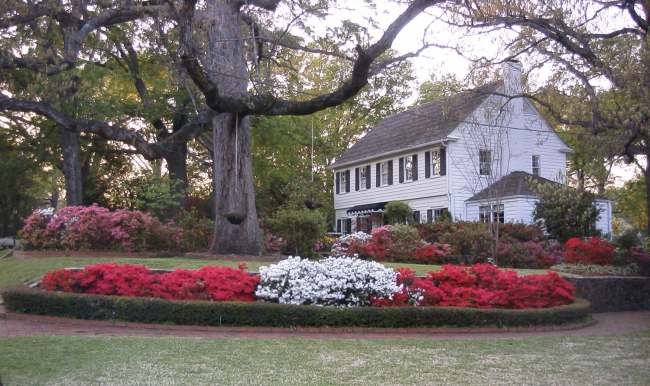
[(72, 168), (646, 174), (177, 167), (236, 227)]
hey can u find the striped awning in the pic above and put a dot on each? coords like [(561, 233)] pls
[(367, 209)]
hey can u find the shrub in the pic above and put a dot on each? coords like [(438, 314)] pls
[(593, 250), (149, 310), (197, 230), (527, 254), (94, 227), (628, 240), (300, 229), (398, 212), (566, 212), (594, 269), (405, 239), (521, 232), (470, 242), (207, 283), (335, 281), (349, 244), (399, 243), (483, 286)]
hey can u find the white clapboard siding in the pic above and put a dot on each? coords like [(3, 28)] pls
[(525, 134), (423, 188), (520, 210)]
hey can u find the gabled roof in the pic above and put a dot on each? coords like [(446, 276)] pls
[(418, 125), (514, 184)]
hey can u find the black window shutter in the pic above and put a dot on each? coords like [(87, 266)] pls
[(378, 175), (443, 161), (390, 172), (338, 182), (348, 227), (347, 181), (416, 217), (338, 226), (401, 170), (368, 184), (356, 178), (429, 215), (415, 167), (427, 164)]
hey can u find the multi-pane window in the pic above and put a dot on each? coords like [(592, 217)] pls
[(363, 177), (438, 214), (416, 217), (495, 213), (408, 168), (485, 162), (384, 173), (343, 182), (435, 162), (536, 165)]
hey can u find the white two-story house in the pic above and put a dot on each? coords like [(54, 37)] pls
[(473, 155)]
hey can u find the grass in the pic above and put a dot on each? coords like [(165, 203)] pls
[(292, 361), (18, 271)]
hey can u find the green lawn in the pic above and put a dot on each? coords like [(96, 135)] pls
[(17, 271), (292, 361)]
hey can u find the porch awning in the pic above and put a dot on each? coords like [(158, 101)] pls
[(367, 208)]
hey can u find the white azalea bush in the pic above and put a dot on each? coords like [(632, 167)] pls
[(340, 246), (334, 281)]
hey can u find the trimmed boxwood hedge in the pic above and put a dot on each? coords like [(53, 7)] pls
[(149, 310)]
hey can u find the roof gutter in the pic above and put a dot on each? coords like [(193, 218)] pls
[(382, 155)]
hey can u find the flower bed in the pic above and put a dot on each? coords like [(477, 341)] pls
[(207, 283), (209, 313), (95, 227), (592, 250), (340, 282), (480, 286)]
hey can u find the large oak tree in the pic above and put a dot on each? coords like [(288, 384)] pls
[(223, 53)]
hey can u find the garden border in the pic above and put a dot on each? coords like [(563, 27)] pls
[(261, 314)]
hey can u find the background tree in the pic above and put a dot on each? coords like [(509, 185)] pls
[(226, 48), (599, 51), (565, 212)]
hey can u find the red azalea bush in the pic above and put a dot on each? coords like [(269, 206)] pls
[(207, 283), (481, 286), (95, 227), (593, 250), (401, 243), (526, 254)]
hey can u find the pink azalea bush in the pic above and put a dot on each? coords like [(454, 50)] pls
[(95, 227)]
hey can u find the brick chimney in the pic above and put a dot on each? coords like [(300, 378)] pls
[(512, 82)]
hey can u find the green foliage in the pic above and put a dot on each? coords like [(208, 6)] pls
[(597, 269), (405, 239), (628, 239), (398, 212), (300, 228), (197, 231), (438, 87), (630, 202), (24, 187), (145, 310), (150, 193), (565, 212)]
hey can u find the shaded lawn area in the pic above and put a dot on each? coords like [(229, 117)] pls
[(291, 361), (17, 271)]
